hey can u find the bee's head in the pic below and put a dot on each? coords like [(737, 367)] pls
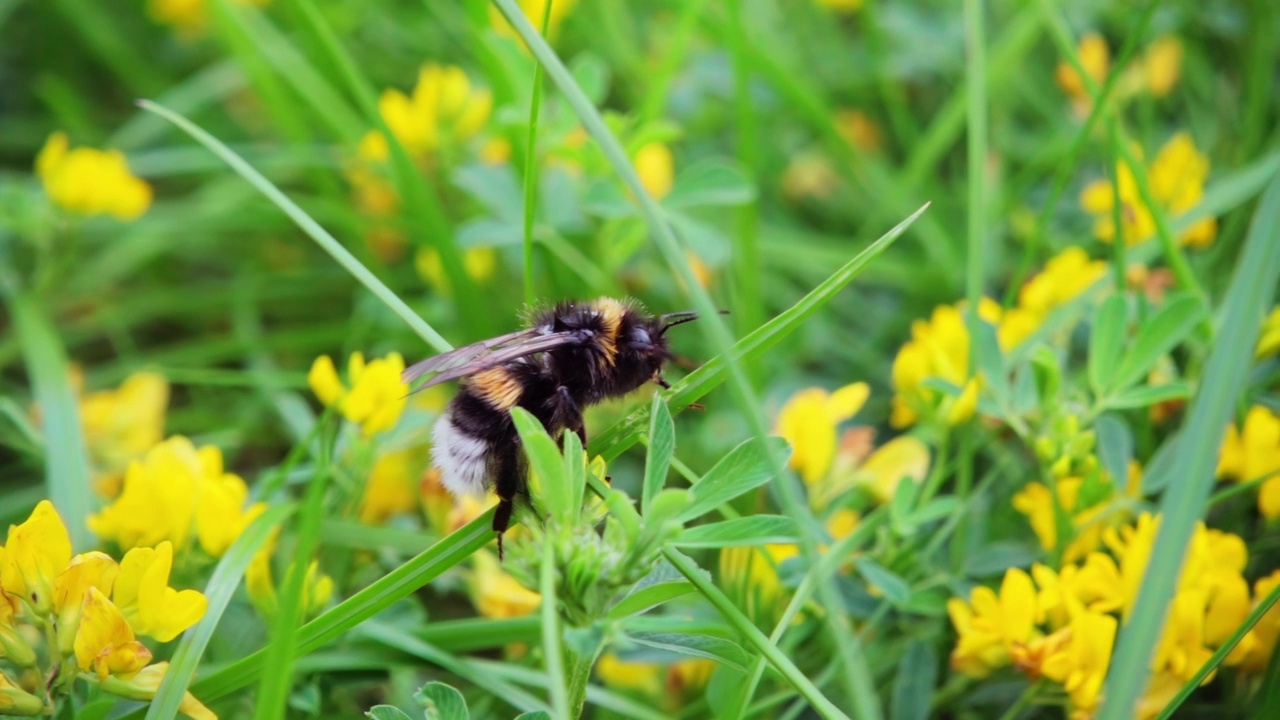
[(643, 348)]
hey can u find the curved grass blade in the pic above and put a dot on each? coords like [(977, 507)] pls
[(387, 590), (67, 475), (552, 655), (1221, 654), (222, 585), (1196, 454), (615, 440), (304, 221)]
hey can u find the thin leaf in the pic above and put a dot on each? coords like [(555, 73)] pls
[(745, 468), (442, 702), (895, 589), (725, 652), (1158, 335), (914, 684), (1250, 293), (1106, 341), (384, 712), (66, 470), (304, 221), (710, 183), (662, 445), (1143, 396), (545, 463), (1115, 447), (649, 597), (751, 530)]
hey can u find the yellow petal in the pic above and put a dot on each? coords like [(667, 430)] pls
[(144, 596), (903, 457), (35, 553), (656, 167), (847, 401), (104, 641), (89, 570), (324, 381)]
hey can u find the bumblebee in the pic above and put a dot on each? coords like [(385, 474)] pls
[(570, 356)]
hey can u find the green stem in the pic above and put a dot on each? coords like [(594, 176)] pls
[(1024, 700), (743, 625), (551, 653), (1117, 220), (977, 149), (531, 169)]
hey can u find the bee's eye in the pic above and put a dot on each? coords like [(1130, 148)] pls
[(640, 336)]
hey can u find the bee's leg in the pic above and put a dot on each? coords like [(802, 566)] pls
[(566, 414), (506, 485), (661, 381)]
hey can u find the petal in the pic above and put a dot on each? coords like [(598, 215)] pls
[(847, 401), (904, 457), (324, 381)]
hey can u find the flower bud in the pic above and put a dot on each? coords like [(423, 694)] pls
[(16, 701)]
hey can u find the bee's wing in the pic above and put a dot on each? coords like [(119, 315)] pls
[(471, 359)]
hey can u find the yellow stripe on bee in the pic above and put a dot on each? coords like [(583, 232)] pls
[(497, 387), (611, 312)]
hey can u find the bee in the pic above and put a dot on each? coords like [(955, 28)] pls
[(570, 356)]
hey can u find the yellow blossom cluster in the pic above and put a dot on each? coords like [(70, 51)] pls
[(939, 346), (86, 181), (317, 588), (1061, 625), (1177, 178), (1155, 72), (1252, 452), (92, 609), (179, 494), (533, 10), (675, 682), (189, 18), (122, 424), (376, 396)]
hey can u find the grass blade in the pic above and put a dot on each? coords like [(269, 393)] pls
[(67, 474), (976, 97), (552, 655), (531, 169), (222, 585), (1197, 452), (304, 221)]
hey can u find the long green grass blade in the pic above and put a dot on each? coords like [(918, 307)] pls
[(531, 170), (1196, 455), (312, 228), (976, 105), (66, 471), (222, 585), (552, 654)]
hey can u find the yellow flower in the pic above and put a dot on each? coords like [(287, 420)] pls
[(496, 593), (656, 167), (641, 677), (1269, 340), (146, 683), (443, 110), (750, 576), (689, 676), (122, 424), (495, 151), (1267, 632), (89, 570), (901, 458), (842, 523), (1253, 451), (479, 262), (1182, 650), (376, 396), (856, 127), (104, 641), (34, 554), (189, 18), (533, 11), (13, 645), (809, 176), (437, 501), (317, 588), (990, 625), (1095, 58), (843, 6), (145, 599), (939, 348), (392, 487), (16, 701), (173, 493), (808, 421), (91, 182), (1177, 177), (1085, 534), (1160, 691), (1082, 661), (1161, 65), (1065, 276)]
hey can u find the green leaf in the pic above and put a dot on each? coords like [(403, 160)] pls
[(745, 468), (1157, 336), (386, 712), (442, 702), (66, 470), (895, 589), (649, 597), (1115, 448), (1142, 396), (575, 474), (97, 710), (936, 509), (914, 684), (901, 505), (545, 464), (725, 652), (535, 715), (1160, 469), (990, 359), (592, 75), (710, 183), (222, 586), (1106, 342), (662, 445), (1249, 295), (750, 530)]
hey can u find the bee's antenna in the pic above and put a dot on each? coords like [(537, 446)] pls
[(670, 320)]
